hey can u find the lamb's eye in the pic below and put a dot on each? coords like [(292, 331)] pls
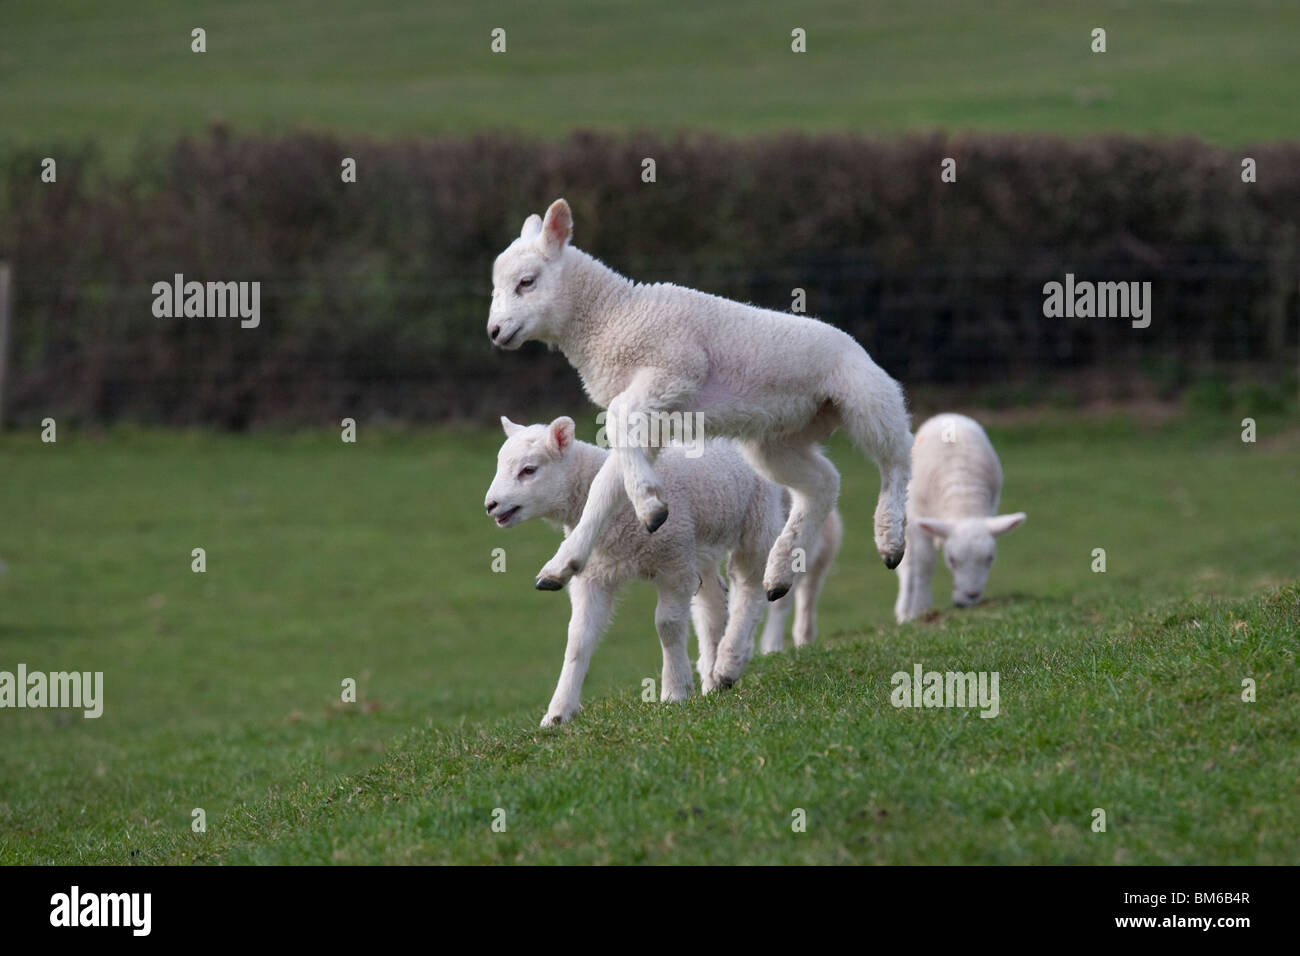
[(525, 283), (527, 470)]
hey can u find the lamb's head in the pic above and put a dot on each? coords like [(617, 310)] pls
[(969, 546), (528, 295), (533, 472)]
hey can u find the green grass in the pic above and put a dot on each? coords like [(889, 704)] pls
[(116, 72), (325, 561)]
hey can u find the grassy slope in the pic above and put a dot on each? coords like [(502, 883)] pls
[(372, 561), (1141, 718), (1227, 70)]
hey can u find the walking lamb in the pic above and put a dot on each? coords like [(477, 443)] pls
[(779, 383), (721, 509), (952, 503)]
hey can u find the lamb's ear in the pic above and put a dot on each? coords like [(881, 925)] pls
[(936, 526), (532, 226), (511, 429), (557, 228), (1001, 524), (559, 435)]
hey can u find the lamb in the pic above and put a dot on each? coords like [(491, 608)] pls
[(724, 508), (721, 509), (952, 503), (778, 383)]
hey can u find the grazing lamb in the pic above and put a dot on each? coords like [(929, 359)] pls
[(807, 590), (721, 508), (952, 502), (777, 382)]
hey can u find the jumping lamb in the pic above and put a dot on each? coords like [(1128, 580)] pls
[(952, 503), (777, 382), (722, 509)]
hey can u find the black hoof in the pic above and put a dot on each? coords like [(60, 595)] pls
[(777, 593), (548, 584), (656, 520)]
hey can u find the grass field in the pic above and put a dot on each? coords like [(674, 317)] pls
[(325, 561), (116, 72)]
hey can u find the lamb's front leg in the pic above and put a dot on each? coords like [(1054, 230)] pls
[(638, 427), (745, 607), (672, 618), (709, 614), (604, 499), (633, 446), (778, 614), (592, 607), (914, 574)]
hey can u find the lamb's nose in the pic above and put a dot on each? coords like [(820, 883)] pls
[(972, 595), (494, 332), (491, 506)]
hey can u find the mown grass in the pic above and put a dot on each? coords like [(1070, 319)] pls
[(373, 561), (117, 72)]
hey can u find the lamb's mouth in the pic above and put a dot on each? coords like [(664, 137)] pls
[(504, 517), (508, 339)]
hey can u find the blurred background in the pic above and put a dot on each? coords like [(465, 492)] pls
[(774, 171)]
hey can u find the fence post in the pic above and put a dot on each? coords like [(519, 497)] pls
[(6, 303)]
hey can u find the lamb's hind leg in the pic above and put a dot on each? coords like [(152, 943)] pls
[(890, 517), (871, 406), (814, 488), (809, 589)]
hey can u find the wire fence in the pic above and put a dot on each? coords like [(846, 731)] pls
[(413, 345)]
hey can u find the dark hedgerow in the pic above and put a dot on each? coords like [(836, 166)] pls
[(375, 293)]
